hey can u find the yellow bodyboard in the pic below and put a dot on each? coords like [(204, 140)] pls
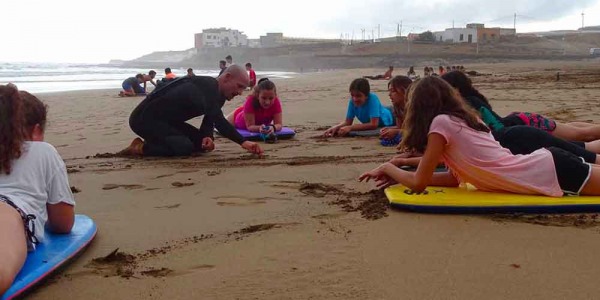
[(470, 200)]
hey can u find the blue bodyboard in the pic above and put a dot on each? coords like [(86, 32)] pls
[(54, 252)]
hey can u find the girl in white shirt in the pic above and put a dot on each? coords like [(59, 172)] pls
[(34, 188)]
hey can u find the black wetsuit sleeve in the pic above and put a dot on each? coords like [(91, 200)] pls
[(216, 119)]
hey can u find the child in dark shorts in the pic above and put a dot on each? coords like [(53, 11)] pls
[(440, 125)]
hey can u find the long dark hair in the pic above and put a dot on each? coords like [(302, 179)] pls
[(263, 84), (460, 81), (428, 98), (400, 82), (12, 131)]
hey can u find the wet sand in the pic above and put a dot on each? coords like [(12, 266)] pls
[(296, 224)]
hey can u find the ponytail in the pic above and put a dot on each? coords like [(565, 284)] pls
[(12, 133)]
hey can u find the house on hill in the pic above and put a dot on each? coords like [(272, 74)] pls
[(220, 38), (472, 33)]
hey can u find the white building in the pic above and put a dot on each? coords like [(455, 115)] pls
[(457, 35), (220, 37)]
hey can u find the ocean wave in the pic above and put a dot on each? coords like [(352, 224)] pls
[(53, 77)]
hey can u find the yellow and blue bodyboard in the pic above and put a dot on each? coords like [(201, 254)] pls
[(469, 200)]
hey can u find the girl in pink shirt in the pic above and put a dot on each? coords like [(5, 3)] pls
[(261, 108), (439, 124)]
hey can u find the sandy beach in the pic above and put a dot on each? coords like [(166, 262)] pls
[(296, 224)]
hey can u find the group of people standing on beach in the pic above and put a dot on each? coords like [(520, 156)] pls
[(434, 119)]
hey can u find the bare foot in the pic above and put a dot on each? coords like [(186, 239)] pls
[(136, 148)]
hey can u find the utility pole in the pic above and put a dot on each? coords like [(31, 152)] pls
[(372, 35), (378, 31), (400, 28), (452, 24), (582, 18), (515, 24), (363, 34)]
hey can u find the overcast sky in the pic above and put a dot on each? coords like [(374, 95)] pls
[(97, 31)]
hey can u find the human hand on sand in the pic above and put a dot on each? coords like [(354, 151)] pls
[(208, 144), (252, 147), (265, 129), (387, 133), (382, 180), (331, 131), (344, 130)]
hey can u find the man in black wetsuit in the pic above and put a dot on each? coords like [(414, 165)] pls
[(160, 119)]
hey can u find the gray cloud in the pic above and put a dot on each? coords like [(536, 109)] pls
[(420, 15)]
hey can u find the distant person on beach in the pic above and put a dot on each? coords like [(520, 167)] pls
[(149, 78), (190, 72), (397, 89), (160, 119), (131, 86), (412, 74), (229, 60), (439, 125), (222, 66), (34, 186), (387, 75), (261, 109), (426, 71), (251, 75), (169, 74), (441, 71), (366, 107)]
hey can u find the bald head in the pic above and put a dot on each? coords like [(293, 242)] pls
[(237, 72), (233, 81)]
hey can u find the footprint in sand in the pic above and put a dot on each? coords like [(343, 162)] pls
[(169, 206), (112, 186), (329, 216), (191, 270), (238, 201), (163, 176), (162, 272), (181, 184), (213, 172), (243, 201)]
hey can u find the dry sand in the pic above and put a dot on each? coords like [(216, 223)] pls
[(228, 225)]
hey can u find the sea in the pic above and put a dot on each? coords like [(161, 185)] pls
[(60, 77)]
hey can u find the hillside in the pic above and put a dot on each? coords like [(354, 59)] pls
[(402, 53)]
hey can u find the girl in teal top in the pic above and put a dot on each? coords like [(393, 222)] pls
[(366, 107)]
